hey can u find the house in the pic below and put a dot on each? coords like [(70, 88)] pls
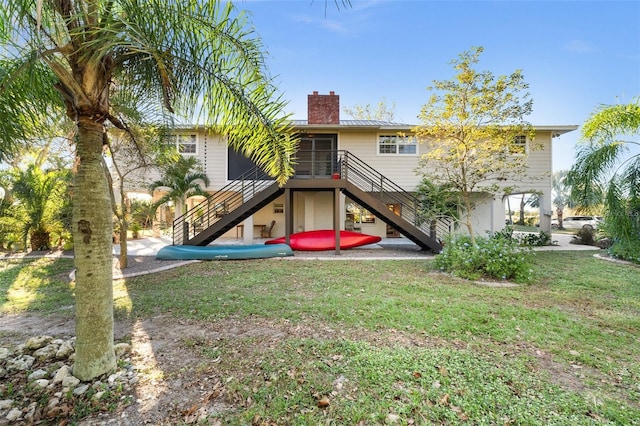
[(350, 174)]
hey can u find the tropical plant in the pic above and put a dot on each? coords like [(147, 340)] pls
[(470, 124), (607, 172), (561, 194), (196, 58), (40, 196), (181, 179)]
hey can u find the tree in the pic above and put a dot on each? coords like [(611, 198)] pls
[(604, 172), (381, 112), (469, 125), (193, 59), (130, 158), (40, 195), (561, 194), (182, 180)]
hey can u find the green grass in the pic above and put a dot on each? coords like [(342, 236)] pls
[(412, 343)]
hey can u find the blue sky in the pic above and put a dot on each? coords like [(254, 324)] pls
[(575, 55)]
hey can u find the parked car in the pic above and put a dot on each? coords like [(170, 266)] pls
[(578, 222)]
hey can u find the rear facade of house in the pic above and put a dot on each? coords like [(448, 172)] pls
[(358, 175)]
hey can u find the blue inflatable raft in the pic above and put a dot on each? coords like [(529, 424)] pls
[(234, 252)]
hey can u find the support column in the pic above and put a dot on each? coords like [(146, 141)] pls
[(248, 230), (546, 211), (336, 217), (288, 214)]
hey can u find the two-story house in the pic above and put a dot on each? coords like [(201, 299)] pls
[(350, 174)]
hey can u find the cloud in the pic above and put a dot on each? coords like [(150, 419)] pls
[(328, 24), (579, 46)]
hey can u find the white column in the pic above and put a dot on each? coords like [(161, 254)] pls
[(248, 230)]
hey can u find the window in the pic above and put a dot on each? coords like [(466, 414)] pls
[(397, 144), (359, 214), (518, 145), (185, 144)]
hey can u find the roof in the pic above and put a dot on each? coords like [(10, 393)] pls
[(557, 130), (377, 124)]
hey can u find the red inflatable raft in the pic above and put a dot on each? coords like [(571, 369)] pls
[(325, 239)]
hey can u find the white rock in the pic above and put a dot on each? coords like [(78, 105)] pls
[(80, 390), (70, 382), (14, 414), (36, 375), (5, 404), (62, 372), (97, 395), (42, 383), (392, 418), (4, 353), (122, 348), (46, 352), (65, 350), (38, 342), (21, 363)]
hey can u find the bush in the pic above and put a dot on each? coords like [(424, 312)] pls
[(625, 250), (497, 257), (586, 236), (533, 240)]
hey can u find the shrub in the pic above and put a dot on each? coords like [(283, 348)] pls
[(586, 236), (496, 257), (535, 240), (625, 250)]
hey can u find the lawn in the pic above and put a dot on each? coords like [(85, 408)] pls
[(373, 342)]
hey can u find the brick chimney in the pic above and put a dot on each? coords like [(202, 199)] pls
[(323, 109)]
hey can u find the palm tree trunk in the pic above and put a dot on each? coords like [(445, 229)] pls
[(92, 229)]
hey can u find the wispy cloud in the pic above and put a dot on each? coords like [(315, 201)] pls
[(328, 24), (579, 46)]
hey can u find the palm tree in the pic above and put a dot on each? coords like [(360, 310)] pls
[(193, 59), (182, 180), (605, 173), (39, 196), (561, 193)]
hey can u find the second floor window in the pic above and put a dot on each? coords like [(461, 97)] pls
[(185, 144), (397, 145), (518, 145)]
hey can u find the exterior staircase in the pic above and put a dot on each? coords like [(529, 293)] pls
[(243, 197)]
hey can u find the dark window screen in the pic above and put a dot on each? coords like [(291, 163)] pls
[(239, 165)]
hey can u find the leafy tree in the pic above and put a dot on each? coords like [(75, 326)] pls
[(131, 155), (438, 202), (181, 179), (197, 59), (381, 112), (604, 172), (469, 125)]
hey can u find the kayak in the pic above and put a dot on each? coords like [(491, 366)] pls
[(222, 252), (325, 239)]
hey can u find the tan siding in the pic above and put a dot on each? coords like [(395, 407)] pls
[(213, 157), (400, 169)]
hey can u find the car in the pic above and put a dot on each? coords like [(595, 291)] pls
[(578, 222)]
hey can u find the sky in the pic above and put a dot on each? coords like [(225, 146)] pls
[(575, 55)]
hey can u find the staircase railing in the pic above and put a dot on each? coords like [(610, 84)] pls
[(217, 205), (366, 178), (350, 167)]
